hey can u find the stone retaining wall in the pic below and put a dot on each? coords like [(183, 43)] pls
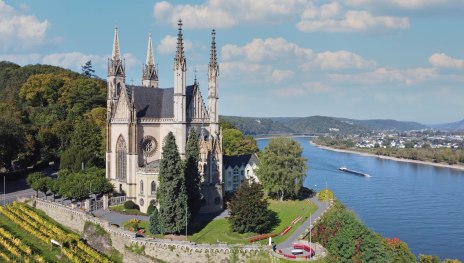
[(165, 250)]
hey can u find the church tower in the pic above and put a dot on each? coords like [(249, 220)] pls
[(180, 104), (150, 70), (116, 71), (213, 73)]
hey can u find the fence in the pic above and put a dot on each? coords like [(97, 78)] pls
[(116, 200)]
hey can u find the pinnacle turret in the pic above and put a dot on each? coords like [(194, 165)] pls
[(116, 55), (150, 71), (213, 56), (150, 61), (179, 59), (115, 64)]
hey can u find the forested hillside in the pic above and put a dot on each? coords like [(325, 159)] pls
[(316, 124), (45, 110)]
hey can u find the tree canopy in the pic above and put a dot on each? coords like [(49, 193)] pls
[(249, 210), (235, 143), (282, 169)]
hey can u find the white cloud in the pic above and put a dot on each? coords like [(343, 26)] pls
[(70, 60), (259, 50), (308, 88), (407, 4), (350, 21), (339, 60), (442, 60), (22, 59), (226, 13), (169, 43), (20, 30), (387, 75), (281, 75)]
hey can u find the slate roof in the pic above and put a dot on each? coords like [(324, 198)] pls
[(239, 160), (155, 102)]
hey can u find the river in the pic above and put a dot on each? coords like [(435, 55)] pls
[(420, 204)]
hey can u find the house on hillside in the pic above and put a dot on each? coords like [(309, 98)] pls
[(237, 169)]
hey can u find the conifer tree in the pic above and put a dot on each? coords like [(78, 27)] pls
[(154, 223), (192, 175), (249, 210), (172, 194)]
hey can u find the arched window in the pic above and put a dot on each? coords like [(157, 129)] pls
[(121, 159), (153, 188), (141, 187)]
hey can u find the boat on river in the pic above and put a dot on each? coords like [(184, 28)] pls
[(346, 170)]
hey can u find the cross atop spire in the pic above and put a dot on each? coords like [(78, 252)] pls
[(116, 55), (180, 42), (150, 59), (213, 57)]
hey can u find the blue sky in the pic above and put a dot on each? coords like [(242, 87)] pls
[(364, 59)]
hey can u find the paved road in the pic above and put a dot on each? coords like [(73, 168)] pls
[(321, 207), (117, 218), (19, 188)]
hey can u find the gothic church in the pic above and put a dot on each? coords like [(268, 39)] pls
[(140, 117)]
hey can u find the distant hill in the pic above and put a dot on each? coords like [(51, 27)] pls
[(459, 125), (383, 125), (255, 126), (316, 124)]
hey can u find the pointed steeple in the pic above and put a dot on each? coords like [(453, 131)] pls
[(180, 42), (150, 71), (213, 56), (213, 74), (150, 61), (179, 59), (116, 55), (115, 64)]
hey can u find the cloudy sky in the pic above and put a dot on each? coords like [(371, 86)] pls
[(398, 59)]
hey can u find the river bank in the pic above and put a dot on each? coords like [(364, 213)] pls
[(442, 165)]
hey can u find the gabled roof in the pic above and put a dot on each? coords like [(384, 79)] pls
[(239, 160), (155, 102)]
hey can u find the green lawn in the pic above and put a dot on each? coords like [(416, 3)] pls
[(287, 211), (122, 210)]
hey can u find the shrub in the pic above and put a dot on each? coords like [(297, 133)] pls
[(130, 205), (325, 195), (150, 209)]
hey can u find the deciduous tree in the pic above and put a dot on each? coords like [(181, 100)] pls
[(282, 169)]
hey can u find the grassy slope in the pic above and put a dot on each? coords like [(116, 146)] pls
[(287, 211)]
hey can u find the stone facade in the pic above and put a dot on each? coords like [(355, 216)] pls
[(162, 249), (140, 117)]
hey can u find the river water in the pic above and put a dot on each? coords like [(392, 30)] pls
[(422, 205)]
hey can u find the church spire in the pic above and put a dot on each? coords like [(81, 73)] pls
[(116, 55), (150, 60), (150, 71), (213, 73), (115, 64), (213, 56), (179, 60)]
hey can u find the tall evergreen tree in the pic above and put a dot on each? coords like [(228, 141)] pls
[(87, 69), (192, 174), (172, 194), (154, 223), (249, 210)]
